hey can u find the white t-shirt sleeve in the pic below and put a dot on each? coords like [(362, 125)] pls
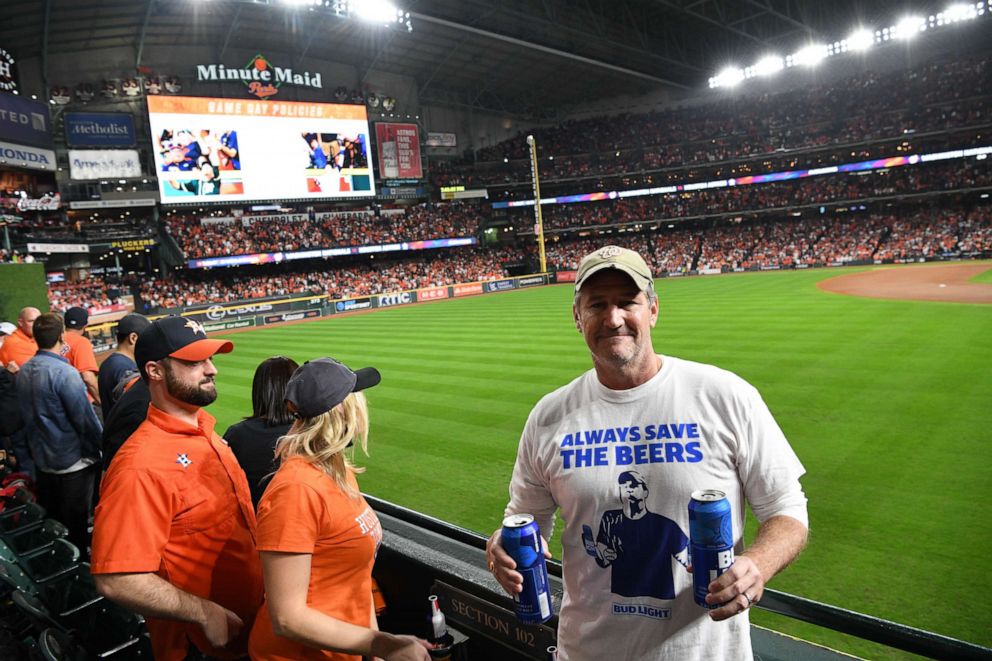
[(530, 487), (768, 467)]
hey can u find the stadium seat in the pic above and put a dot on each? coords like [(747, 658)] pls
[(57, 645), (29, 541), (57, 560), (71, 593), (22, 518), (34, 610), (13, 577), (107, 630)]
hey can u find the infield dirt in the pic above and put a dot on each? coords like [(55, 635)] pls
[(926, 282)]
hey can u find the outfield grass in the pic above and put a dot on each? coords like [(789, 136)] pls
[(887, 403)]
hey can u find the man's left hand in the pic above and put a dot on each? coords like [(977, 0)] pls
[(738, 588)]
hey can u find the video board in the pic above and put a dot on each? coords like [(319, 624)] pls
[(225, 150)]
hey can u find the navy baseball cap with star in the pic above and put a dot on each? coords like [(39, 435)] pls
[(176, 337)]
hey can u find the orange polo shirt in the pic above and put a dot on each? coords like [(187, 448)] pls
[(80, 354), (303, 510), (175, 503), (18, 347)]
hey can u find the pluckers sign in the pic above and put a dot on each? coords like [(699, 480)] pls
[(261, 77)]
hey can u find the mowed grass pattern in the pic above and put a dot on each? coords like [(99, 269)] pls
[(887, 403)]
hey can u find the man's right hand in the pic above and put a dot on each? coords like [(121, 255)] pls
[(502, 566), (12, 367), (220, 626)]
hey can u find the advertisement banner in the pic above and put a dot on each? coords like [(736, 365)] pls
[(291, 316), (438, 139), (500, 285), (399, 298), (432, 294), (99, 129), (353, 304), (229, 325), (24, 122), (565, 276), (33, 158), (216, 312), (104, 164), (399, 151), (114, 204), (534, 280), (59, 247), (467, 290), (46, 202)]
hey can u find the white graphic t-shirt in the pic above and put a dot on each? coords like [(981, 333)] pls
[(621, 466)]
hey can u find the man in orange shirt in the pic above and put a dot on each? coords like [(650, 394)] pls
[(174, 535), (80, 350), (20, 347)]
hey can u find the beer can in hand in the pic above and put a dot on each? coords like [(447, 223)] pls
[(711, 540), (522, 542)]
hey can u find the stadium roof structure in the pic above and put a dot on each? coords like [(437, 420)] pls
[(515, 57)]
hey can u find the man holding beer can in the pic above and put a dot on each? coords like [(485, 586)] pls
[(659, 429)]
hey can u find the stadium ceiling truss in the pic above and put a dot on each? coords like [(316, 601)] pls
[(517, 57)]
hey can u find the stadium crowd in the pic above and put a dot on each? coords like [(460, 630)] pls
[(830, 189), (932, 97), (462, 265), (206, 238), (908, 232)]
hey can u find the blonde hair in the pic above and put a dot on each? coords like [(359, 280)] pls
[(323, 439)]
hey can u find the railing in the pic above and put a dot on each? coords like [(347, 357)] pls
[(891, 634)]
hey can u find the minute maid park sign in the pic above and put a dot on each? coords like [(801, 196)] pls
[(260, 76)]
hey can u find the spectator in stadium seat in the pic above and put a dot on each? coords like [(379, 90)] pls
[(62, 430), (174, 534), (316, 534), (130, 409), (253, 440), (710, 429), (121, 360), (79, 350), (20, 347)]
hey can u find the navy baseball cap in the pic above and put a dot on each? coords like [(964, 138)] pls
[(132, 323), (176, 337), (319, 385), (76, 318)]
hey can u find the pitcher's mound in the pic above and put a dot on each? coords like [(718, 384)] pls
[(924, 282)]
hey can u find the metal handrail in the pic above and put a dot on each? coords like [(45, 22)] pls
[(859, 625)]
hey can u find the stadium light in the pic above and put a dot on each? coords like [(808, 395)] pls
[(769, 65), (909, 27), (810, 55), (727, 78), (860, 40), (956, 13), (373, 11)]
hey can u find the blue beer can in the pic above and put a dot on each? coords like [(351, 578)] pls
[(522, 542), (711, 540)]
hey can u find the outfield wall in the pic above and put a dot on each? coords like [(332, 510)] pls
[(217, 318)]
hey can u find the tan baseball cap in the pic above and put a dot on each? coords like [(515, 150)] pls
[(615, 257)]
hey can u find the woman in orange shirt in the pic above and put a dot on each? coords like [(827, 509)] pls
[(317, 537)]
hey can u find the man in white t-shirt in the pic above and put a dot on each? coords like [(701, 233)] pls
[(660, 428)]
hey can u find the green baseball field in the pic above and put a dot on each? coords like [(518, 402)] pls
[(888, 404)]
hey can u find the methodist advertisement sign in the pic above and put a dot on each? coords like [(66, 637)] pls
[(399, 151), (104, 163), (24, 122), (230, 150), (99, 129)]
